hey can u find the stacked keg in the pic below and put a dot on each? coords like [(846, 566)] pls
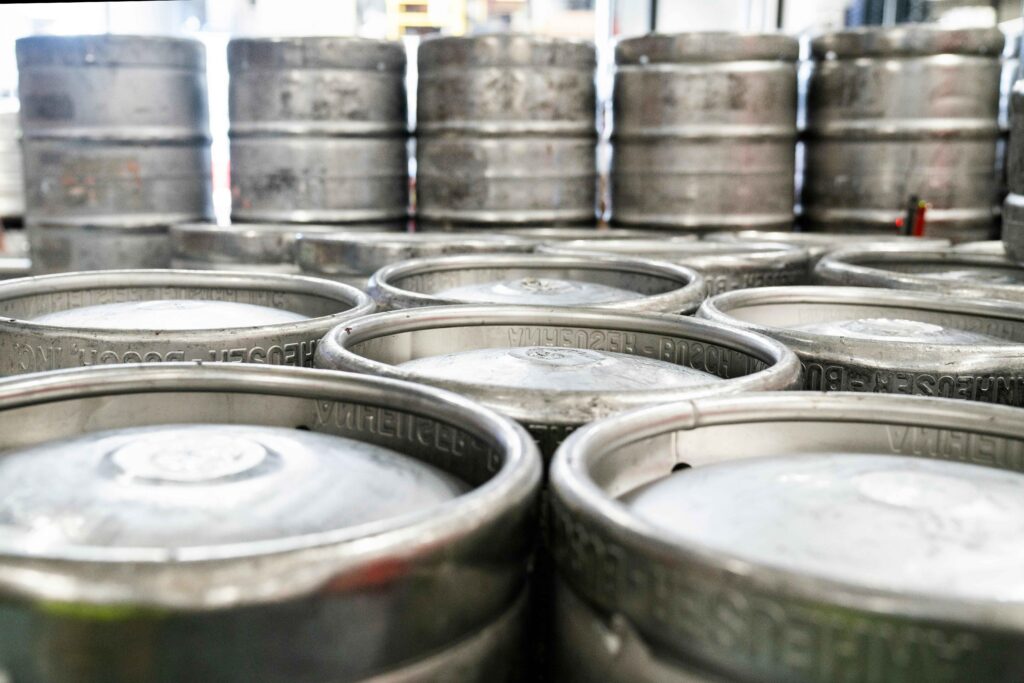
[(704, 131), (318, 130), (903, 113), (116, 147), (12, 202), (1013, 205), (505, 131)]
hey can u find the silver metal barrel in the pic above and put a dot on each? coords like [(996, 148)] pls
[(704, 131), (788, 537), (950, 273), (724, 266), (115, 130), (622, 284), (135, 316), (506, 130), (352, 259), (888, 341), (266, 247), (895, 113), (212, 522), (818, 244), (1013, 205), (12, 188), (62, 249), (318, 130), (554, 369), (1009, 72)]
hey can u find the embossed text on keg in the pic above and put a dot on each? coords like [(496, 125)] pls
[(742, 627), (1006, 390), (951, 444)]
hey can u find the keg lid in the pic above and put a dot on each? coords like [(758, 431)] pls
[(950, 272), (362, 254), (902, 514), (505, 49), (184, 486), (711, 46), (111, 50), (540, 280), (316, 52), (168, 314), (908, 40), (558, 366)]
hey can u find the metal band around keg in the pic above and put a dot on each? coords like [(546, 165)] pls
[(672, 288), (755, 621), (820, 243), (908, 40), (311, 583), (704, 47), (376, 344), (990, 373), (26, 346), (900, 270)]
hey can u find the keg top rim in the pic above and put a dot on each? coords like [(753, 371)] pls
[(565, 234), (678, 251), (358, 302), (111, 49), (338, 349), (908, 40), (682, 299), (585, 481), (823, 239), (506, 49), (868, 266), (289, 52), (324, 556), (709, 46), (720, 307)]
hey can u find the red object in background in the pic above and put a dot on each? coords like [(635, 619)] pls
[(917, 230)]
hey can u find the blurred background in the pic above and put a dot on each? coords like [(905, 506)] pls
[(215, 21)]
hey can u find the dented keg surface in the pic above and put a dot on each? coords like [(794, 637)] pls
[(230, 523), (951, 273), (90, 161), (818, 244), (62, 249), (318, 129), (900, 112), (878, 536), (724, 266), (265, 247), (506, 130), (134, 316), (589, 646), (354, 258), (704, 131), (12, 189), (553, 369), (592, 280), (888, 341)]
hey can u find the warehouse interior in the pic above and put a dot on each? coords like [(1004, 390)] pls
[(512, 341)]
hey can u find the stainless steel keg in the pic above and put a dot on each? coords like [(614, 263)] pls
[(12, 188), (554, 369), (950, 273), (212, 522), (564, 234), (92, 157), (818, 244), (318, 130), (802, 537), (724, 266), (1013, 205), (265, 247), (704, 131), (353, 258), (896, 113), (505, 130), (64, 249), (888, 341), (1009, 72), (591, 280), (140, 316)]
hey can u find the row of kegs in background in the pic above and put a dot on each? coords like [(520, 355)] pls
[(517, 457), (703, 130), (323, 449)]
